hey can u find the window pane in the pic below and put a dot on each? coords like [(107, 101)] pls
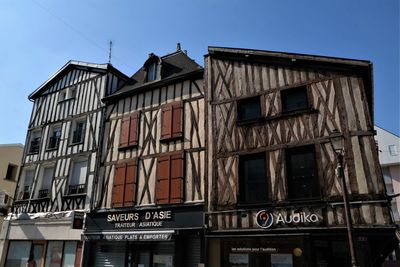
[(249, 108), (253, 178), (79, 173), (302, 173), (69, 254), (18, 253), (294, 99), (54, 253), (393, 150)]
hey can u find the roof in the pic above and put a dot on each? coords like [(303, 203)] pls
[(12, 145), (174, 66), (361, 68), (77, 65)]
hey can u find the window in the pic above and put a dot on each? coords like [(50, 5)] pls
[(169, 185), (301, 172), (253, 178), (34, 143), (77, 182), (129, 135), (78, 132), (171, 121), (393, 150), (294, 99), (55, 137), (26, 184), (152, 72), (18, 253), (249, 109), (43, 185), (67, 93), (11, 172), (124, 189)]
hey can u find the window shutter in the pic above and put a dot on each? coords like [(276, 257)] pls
[(118, 188), (124, 134), (134, 129), (176, 195), (130, 183), (166, 122), (163, 179), (177, 120)]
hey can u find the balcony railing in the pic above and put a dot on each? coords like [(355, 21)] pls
[(35, 145), (43, 193), (76, 189)]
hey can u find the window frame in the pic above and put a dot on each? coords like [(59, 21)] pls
[(243, 180), (38, 194), (73, 130), (77, 188), (11, 175), (53, 130), (35, 136), (152, 72), (285, 93), (239, 110), (316, 190), (67, 93)]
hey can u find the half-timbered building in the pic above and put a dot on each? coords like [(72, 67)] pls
[(149, 198), (59, 165), (273, 196)]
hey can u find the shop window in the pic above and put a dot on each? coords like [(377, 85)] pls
[(18, 253), (294, 99), (43, 185), (54, 253), (11, 173), (25, 184), (249, 109), (77, 181), (169, 186), (301, 172), (54, 139), (78, 131), (253, 179), (129, 134), (172, 121), (34, 142), (69, 253), (124, 188)]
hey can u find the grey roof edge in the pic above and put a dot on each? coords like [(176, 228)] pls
[(267, 53), (104, 66), (383, 129)]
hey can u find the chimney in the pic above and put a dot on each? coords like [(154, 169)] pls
[(178, 47)]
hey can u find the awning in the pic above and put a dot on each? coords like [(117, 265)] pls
[(164, 235)]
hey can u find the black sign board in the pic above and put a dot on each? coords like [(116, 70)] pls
[(134, 236), (77, 220), (149, 219)]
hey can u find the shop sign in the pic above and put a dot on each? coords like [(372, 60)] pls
[(253, 250), (265, 219), (144, 219), (129, 236)]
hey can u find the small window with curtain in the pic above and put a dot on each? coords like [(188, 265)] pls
[(302, 173), (34, 142), (170, 174), (172, 121), (124, 187), (253, 179), (294, 99), (54, 138), (129, 133), (249, 109), (152, 72), (77, 178)]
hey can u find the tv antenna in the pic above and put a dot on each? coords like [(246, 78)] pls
[(109, 52)]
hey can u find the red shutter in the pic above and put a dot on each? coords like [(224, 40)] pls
[(134, 129), (130, 183), (124, 134), (78, 255), (176, 195), (166, 122), (163, 179), (118, 188), (177, 120)]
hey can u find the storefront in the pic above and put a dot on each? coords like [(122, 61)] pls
[(287, 238), (145, 238), (48, 240)]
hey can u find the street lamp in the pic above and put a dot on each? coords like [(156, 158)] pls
[(337, 142)]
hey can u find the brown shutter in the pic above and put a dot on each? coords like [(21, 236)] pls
[(163, 179), (78, 254), (177, 120), (134, 129), (118, 188), (166, 122), (124, 134), (130, 183), (176, 195)]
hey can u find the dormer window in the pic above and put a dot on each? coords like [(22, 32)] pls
[(152, 72)]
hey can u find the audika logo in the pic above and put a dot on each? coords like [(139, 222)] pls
[(264, 219)]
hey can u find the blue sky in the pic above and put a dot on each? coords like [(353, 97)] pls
[(40, 36)]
